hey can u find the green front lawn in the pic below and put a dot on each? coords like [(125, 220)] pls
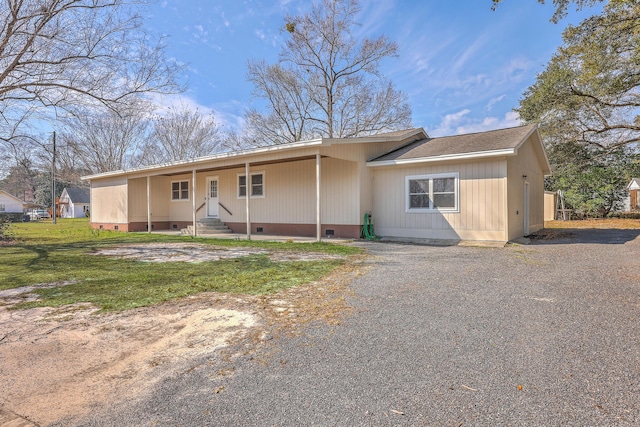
[(45, 253)]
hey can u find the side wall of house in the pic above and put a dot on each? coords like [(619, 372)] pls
[(79, 210), (362, 189), (109, 200), (525, 167), (481, 206), (11, 205)]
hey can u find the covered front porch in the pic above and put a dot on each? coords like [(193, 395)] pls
[(305, 195)]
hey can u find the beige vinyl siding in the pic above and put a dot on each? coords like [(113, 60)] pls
[(109, 201), (366, 191), (180, 210), (290, 193), (481, 201), (340, 196), (549, 205), (525, 163), (361, 184), (160, 197), (358, 152)]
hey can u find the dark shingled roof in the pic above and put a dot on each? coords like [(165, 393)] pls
[(78, 195), (395, 133), (460, 144)]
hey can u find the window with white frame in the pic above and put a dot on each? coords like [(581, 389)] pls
[(438, 192), (256, 185), (180, 190), (2, 208)]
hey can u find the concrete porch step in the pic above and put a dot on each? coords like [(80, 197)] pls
[(207, 226)]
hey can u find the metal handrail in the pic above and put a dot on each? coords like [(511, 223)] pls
[(201, 206), (225, 208)]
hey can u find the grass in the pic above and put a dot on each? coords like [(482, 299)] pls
[(60, 254)]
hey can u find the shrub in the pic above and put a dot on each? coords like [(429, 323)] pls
[(5, 229)]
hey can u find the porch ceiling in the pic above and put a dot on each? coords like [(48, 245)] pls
[(240, 165)]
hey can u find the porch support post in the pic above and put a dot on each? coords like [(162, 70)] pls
[(318, 207), (148, 204), (193, 200), (247, 181)]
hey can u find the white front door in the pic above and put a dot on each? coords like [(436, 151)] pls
[(212, 197)]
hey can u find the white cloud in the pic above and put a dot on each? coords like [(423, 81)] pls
[(494, 101), (469, 53), (228, 115), (460, 123), (373, 16)]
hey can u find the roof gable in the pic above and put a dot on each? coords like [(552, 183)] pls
[(11, 196), (77, 194), (500, 142), (634, 184)]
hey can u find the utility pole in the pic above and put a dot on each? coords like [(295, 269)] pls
[(53, 181)]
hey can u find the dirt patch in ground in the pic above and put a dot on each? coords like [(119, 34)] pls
[(58, 363), (187, 252)]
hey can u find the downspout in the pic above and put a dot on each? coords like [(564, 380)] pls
[(193, 200), (148, 204), (247, 181), (318, 206)]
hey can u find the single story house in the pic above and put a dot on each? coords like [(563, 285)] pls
[(11, 207), (74, 202), (481, 186), (10, 203)]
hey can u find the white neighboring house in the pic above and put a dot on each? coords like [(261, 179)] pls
[(10, 203), (634, 195), (74, 202)]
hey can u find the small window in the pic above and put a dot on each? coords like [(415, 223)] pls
[(418, 193), (432, 193), (257, 185), (242, 186), (2, 208), (180, 190), (444, 193)]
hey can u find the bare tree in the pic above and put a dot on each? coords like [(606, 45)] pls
[(62, 56), (180, 134), (327, 82), (105, 142)]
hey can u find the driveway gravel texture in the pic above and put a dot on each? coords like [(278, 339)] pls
[(544, 334)]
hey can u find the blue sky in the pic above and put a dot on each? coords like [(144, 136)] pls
[(463, 66)]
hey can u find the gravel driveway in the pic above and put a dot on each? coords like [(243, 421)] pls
[(543, 334)]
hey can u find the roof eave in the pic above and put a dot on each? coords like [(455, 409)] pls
[(447, 157), (200, 160), (412, 135)]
